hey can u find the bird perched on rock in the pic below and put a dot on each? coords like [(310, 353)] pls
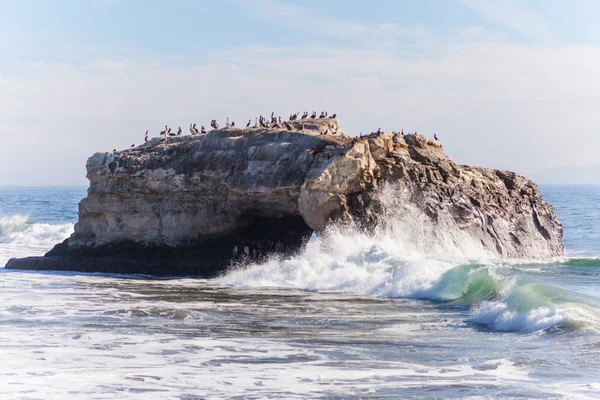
[(146, 138), (203, 129), (288, 126), (195, 129), (248, 124), (192, 130), (402, 133), (232, 124), (227, 125), (313, 115), (333, 116), (435, 137), (304, 114), (378, 131), (133, 145), (322, 114), (165, 131), (179, 132), (172, 134)]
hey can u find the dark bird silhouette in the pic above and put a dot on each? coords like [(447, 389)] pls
[(232, 123), (202, 129), (195, 129), (172, 134), (402, 132), (146, 138), (322, 114), (288, 126), (165, 131), (313, 115), (192, 130), (179, 132), (378, 131), (133, 145), (248, 124), (435, 136), (333, 116)]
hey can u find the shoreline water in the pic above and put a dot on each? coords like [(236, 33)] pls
[(353, 318)]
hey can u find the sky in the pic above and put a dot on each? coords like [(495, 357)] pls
[(504, 84)]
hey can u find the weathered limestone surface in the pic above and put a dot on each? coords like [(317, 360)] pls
[(194, 205)]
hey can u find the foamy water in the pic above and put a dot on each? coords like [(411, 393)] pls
[(414, 312)]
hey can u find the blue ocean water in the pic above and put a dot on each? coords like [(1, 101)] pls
[(396, 316)]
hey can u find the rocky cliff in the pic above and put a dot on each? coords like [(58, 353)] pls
[(196, 204)]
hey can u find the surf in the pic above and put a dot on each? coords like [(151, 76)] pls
[(411, 257)]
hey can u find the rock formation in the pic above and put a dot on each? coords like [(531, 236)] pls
[(195, 205)]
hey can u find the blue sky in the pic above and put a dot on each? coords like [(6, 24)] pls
[(505, 84)]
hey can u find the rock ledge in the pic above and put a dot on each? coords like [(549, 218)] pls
[(195, 204)]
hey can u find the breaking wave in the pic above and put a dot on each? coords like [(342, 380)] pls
[(412, 258), (17, 230)]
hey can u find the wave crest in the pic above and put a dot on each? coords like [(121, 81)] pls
[(411, 257), (16, 230)]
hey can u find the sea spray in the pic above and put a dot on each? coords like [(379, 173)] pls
[(12, 223), (20, 237), (410, 256)]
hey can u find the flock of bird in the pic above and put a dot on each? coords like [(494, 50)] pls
[(273, 122), (261, 121)]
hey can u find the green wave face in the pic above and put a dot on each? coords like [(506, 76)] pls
[(466, 284), (582, 262), (528, 297)]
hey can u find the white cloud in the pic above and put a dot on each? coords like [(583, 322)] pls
[(509, 14), (302, 18), (492, 104)]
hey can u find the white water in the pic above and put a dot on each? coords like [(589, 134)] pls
[(415, 312), (413, 258), (20, 238)]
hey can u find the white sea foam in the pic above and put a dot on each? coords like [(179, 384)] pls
[(12, 223), (404, 259), (20, 238), (411, 257)]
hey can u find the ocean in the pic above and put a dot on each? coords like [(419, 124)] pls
[(409, 313)]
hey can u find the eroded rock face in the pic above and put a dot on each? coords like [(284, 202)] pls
[(194, 205)]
